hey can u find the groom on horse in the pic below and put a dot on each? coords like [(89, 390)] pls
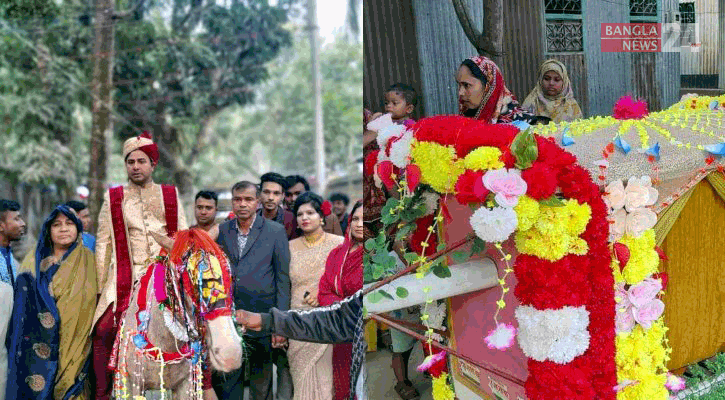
[(135, 222)]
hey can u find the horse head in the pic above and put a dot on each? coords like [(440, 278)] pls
[(204, 276)]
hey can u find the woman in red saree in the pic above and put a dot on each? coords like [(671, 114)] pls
[(482, 93), (343, 277)]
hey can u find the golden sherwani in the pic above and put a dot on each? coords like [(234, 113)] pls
[(143, 212)]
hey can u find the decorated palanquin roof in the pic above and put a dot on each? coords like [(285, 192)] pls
[(676, 147)]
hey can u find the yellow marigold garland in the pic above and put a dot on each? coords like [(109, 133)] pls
[(441, 389), (556, 231), (527, 212), (483, 158), (643, 259), (641, 357), (439, 166)]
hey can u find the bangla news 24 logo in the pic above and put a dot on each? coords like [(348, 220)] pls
[(643, 37)]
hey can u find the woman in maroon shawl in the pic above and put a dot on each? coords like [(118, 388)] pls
[(343, 277)]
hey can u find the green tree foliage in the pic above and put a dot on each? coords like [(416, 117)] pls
[(282, 119)]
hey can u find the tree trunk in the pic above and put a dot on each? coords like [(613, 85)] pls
[(102, 86), (317, 87), (492, 34), (488, 42)]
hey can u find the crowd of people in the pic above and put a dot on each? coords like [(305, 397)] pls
[(288, 249)]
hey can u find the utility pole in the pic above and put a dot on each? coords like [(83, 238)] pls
[(317, 87), (102, 89)]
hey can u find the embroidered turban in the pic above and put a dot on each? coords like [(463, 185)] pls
[(143, 143)]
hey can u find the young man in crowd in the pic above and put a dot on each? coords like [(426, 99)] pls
[(298, 185), (340, 202), (259, 258), (205, 208), (273, 188), (12, 229), (85, 216)]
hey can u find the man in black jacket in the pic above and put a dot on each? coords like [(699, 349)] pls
[(338, 323), (259, 258)]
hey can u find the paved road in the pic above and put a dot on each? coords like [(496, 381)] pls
[(381, 380)]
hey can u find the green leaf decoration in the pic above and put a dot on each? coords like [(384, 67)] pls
[(552, 201), (375, 296), (386, 295), (479, 246), (441, 271), (441, 247), (525, 149), (378, 271), (459, 257), (410, 257), (401, 292), (404, 231), (370, 244)]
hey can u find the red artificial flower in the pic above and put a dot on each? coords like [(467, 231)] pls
[(710, 160), (412, 176), (621, 251), (326, 208), (467, 185), (370, 160), (386, 169), (540, 180), (507, 157), (420, 235), (483, 134)]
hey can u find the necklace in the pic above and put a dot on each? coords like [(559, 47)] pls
[(315, 240)]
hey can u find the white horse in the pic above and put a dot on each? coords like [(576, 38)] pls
[(179, 318)]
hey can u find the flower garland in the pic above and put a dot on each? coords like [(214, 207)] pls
[(525, 186), (642, 347)]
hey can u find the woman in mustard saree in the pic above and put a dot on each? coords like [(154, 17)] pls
[(49, 337)]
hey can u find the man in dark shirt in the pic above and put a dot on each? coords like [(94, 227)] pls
[(340, 202), (12, 229), (259, 258), (273, 187)]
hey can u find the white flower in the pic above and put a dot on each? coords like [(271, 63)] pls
[(639, 193), (400, 149), (385, 134), (614, 199), (555, 335), (640, 220), (617, 224), (381, 122), (494, 225), (431, 202), (501, 337)]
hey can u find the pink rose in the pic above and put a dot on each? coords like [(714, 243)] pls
[(639, 193), (614, 199), (506, 184), (674, 382), (640, 220), (617, 225), (644, 292), (649, 313), (624, 321)]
